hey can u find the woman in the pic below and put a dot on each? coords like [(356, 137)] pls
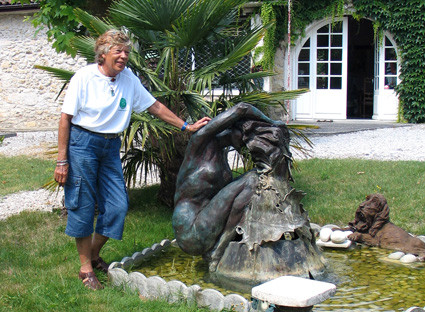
[(97, 108)]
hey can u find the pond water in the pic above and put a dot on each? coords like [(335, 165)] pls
[(365, 280)]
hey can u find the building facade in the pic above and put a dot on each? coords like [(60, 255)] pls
[(350, 73), (28, 96)]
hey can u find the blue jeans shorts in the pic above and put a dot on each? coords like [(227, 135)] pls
[(95, 176)]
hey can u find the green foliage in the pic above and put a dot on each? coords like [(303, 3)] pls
[(407, 24), (303, 13), (59, 17)]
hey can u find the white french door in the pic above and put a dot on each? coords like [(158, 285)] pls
[(321, 66), (386, 71)]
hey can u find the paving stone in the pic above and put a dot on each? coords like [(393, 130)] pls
[(211, 298), (415, 309), (137, 281), (330, 244), (165, 243), (138, 258), (114, 265), (191, 293), (147, 252), (156, 247), (292, 291), (177, 291), (234, 302), (127, 263), (118, 277), (156, 287)]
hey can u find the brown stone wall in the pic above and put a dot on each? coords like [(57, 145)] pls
[(28, 95)]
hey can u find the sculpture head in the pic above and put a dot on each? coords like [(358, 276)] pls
[(371, 214), (267, 143)]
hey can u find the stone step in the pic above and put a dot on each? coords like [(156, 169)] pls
[(293, 292)]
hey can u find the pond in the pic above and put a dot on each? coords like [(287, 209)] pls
[(365, 280)]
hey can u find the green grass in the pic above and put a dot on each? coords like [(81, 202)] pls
[(335, 188), (39, 263), (23, 174)]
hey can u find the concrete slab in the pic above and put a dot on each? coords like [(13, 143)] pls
[(292, 291), (330, 244)]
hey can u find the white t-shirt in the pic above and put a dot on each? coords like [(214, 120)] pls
[(103, 106)]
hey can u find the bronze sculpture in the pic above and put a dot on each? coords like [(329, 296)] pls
[(231, 221)]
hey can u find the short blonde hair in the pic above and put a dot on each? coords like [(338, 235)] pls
[(109, 39)]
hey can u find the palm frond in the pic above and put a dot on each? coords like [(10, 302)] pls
[(85, 47), (243, 48), (268, 98), (149, 15), (94, 25), (200, 20), (61, 74)]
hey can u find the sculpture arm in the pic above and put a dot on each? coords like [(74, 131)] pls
[(228, 118)]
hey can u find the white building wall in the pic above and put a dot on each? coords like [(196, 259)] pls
[(27, 95)]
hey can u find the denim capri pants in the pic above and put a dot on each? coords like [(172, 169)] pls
[(95, 176)]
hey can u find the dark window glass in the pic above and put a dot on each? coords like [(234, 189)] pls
[(307, 43), (388, 42), (303, 82), (322, 68), (336, 40), (322, 54), (336, 82), (390, 68), (303, 69), (336, 54), (337, 27), (322, 82), (336, 68), (390, 54), (324, 29), (322, 40), (390, 82), (304, 55)]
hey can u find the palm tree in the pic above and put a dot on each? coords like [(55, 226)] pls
[(184, 51)]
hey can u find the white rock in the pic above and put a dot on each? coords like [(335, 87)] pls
[(346, 233), (409, 258), (325, 234), (338, 237), (396, 255)]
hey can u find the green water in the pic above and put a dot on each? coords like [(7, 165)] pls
[(365, 282)]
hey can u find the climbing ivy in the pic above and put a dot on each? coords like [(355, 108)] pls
[(404, 20)]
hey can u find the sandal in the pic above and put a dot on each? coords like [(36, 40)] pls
[(90, 280), (100, 265)]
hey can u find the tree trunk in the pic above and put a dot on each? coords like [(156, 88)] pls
[(170, 167)]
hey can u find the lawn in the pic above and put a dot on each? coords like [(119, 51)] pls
[(39, 264)]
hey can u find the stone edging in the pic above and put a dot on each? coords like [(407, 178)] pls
[(155, 287)]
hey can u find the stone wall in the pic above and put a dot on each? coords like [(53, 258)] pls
[(28, 95)]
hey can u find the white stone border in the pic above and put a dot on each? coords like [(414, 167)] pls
[(155, 287)]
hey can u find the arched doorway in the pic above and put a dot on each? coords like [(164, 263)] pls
[(346, 70)]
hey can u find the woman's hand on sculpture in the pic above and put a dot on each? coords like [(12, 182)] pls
[(199, 124)]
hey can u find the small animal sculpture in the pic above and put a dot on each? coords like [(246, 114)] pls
[(372, 227)]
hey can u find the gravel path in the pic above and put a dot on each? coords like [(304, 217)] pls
[(403, 143)]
